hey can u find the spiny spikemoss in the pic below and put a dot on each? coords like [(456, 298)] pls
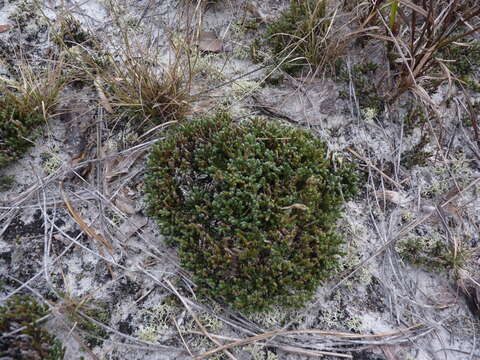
[(16, 126), (463, 58), (21, 336), (6, 182), (430, 252), (95, 334), (251, 206)]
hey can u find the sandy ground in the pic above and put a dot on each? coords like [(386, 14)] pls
[(128, 290)]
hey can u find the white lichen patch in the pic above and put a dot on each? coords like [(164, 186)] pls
[(242, 88), (330, 318), (426, 243), (443, 176), (53, 162), (24, 10), (157, 322), (354, 324), (260, 353), (353, 230), (209, 65), (208, 321), (272, 319), (369, 114)]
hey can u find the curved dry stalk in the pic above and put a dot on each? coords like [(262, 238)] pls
[(340, 335)]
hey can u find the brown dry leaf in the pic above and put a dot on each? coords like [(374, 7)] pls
[(5, 27), (125, 205), (120, 165), (208, 41), (83, 225)]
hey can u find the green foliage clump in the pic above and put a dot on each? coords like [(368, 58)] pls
[(430, 253), (297, 36), (94, 333), (21, 337), (16, 124), (464, 59), (24, 105), (251, 206)]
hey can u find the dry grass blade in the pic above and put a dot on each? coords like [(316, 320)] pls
[(89, 231), (264, 336), (103, 98), (474, 118), (290, 349), (369, 164), (26, 104), (181, 337), (414, 7), (197, 321), (404, 230)]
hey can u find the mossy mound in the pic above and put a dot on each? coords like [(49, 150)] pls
[(16, 129), (251, 207), (23, 338)]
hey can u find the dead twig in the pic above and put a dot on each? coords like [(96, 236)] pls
[(89, 231), (200, 325), (369, 164), (306, 331)]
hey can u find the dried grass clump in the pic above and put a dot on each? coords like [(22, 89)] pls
[(306, 35), (71, 33), (148, 87), (24, 105), (252, 208)]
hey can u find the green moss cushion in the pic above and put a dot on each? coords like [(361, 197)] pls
[(250, 206)]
